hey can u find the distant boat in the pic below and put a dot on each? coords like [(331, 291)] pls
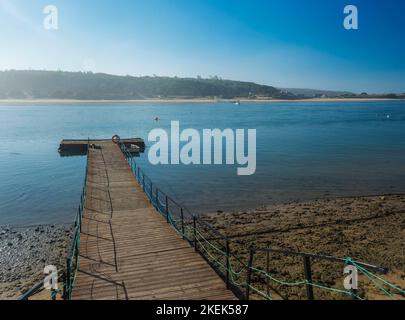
[(237, 103)]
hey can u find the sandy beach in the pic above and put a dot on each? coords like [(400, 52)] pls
[(367, 229)]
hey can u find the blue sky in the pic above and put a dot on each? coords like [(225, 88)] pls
[(289, 43)]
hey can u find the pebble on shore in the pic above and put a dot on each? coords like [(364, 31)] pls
[(24, 252)]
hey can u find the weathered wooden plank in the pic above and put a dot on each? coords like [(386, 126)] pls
[(128, 251)]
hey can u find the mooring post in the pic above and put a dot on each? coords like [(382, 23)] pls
[(182, 222), (249, 274), (308, 276)]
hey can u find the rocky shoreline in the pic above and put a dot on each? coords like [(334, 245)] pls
[(367, 229), (25, 251)]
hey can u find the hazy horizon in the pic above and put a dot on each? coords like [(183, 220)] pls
[(277, 43)]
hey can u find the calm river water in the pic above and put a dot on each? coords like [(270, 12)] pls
[(304, 151)]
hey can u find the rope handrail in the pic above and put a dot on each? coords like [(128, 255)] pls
[(73, 250), (72, 260), (319, 256), (225, 268), (369, 274)]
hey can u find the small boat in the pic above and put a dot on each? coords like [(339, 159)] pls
[(237, 103)]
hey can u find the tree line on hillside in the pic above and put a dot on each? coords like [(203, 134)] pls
[(99, 86), (89, 86)]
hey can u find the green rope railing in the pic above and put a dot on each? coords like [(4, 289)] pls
[(283, 283), (210, 244), (72, 260), (201, 242), (371, 275)]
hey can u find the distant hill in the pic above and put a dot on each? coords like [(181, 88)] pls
[(313, 93), (296, 93), (99, 86)]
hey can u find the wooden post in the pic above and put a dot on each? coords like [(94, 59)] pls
[(249, 274), (308, 276)]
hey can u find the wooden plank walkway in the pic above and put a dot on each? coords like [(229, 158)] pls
[(127, 249)]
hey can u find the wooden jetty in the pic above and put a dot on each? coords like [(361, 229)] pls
[(127, 249), (77, 147)]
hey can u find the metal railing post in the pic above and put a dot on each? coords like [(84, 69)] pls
[(268, 271), (308, 276), (68, 288), (195, 232), (228, 264), (167, 210), (64, 294), (157, 199), (354, 294), (249, 274), (77, 250), (80, 221), (182, 223)]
